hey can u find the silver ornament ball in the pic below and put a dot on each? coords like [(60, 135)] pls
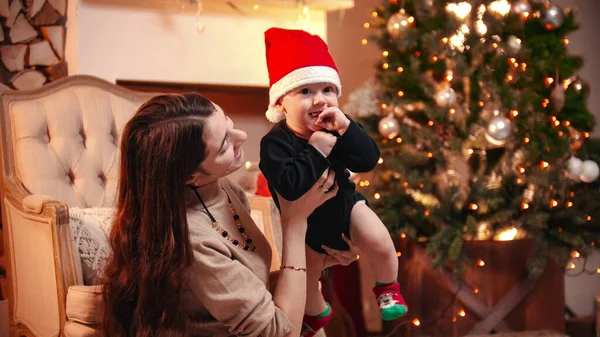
[(552, 17), (445, 97), (398, 24), (389, 127), (521, 7), (498, 130)]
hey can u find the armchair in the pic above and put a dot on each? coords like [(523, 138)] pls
[(59, 149)]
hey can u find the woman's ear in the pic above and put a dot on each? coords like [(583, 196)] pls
[(194, 178)]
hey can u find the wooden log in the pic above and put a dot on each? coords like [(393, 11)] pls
[(41, 54), (28, 79), (4, 8), (22, 31), (15, 9), (4, 87), (59, 5), (1, 33), (56, 36), (57, 71), (13, 56), (6, 76), (47, 16), (33, 7)]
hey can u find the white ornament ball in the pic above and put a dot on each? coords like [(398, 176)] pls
[(574, 166), (398, 24), (521, 7), (498, 130), (389, 127), (589, 171), (514, 44), (445, 97)]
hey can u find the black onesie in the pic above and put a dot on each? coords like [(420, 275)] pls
[(292, 166)]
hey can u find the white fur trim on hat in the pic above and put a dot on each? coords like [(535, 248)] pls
[(298, 78)]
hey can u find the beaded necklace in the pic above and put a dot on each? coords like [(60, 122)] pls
[(248, 245)]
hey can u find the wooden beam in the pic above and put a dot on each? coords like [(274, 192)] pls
[(463, 293), (504, 307), (265, 8)]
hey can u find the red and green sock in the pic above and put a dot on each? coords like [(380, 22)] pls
[(390, 300), (312, 324)]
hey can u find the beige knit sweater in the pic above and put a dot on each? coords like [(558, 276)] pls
[(228, 293)]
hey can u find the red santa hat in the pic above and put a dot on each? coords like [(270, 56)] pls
[(296, 58)]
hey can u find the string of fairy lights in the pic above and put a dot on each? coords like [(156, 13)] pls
[(456, 41)]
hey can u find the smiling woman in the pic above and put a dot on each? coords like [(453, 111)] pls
[(245, 105)]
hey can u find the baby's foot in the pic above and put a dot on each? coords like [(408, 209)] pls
[(390, 301)]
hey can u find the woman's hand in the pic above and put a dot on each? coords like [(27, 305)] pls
[(341, 257), (317, 262), (324, 189)]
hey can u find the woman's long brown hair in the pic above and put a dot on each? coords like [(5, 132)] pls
[(161, 146)]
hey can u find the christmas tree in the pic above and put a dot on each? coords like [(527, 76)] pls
[(481, 117)]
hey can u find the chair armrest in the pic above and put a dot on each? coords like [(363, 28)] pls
[(35, 203), (40, 259)]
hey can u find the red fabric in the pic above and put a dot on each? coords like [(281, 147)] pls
[(311, 324), (262, 188), (346, 286), (288, 50)]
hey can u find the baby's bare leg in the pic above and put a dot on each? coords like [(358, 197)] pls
[(315, 303), (375, 243), (317, 311)]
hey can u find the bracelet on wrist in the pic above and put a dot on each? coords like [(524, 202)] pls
[(292, 268)]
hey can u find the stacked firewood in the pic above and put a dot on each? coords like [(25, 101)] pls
[(32, 42)]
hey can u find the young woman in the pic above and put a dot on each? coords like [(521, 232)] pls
[(187, 258)]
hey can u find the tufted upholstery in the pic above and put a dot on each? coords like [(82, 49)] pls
[(59, 150), (66, 143)]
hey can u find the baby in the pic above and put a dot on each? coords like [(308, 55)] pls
[(312, 135)]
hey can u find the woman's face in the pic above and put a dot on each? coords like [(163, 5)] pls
[(224, 152)]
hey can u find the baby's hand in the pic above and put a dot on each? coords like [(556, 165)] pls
[(323, 142), (333, 119)]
